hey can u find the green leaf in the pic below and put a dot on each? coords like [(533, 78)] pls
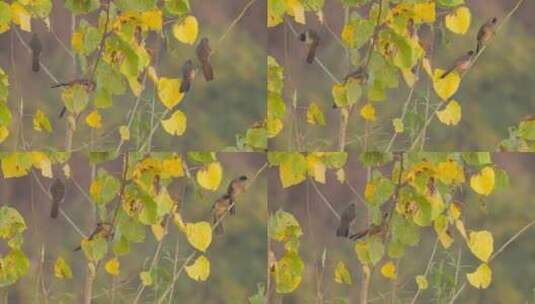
[(5, 114), (477, 158), (104, 188), (292, 169), (75, 98), (13, 266), (288, 273), (95, 249), (256, 138), (135, 5), (526, 129), (283, 226), (177, 7), (202, 157), (82, 6)]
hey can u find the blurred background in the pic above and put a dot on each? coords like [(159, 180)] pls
[(216, 111), (238, 258), (503, 213), (495, 94)]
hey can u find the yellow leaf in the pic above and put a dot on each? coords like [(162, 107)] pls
[(297, 10), (369, 190), (315, 115), (368, 112), (146, 278), (77, 42), (200, 269), (158, 231), (153, 75), (389, 270), (481, 278), (341, 274), (341, 175), (66, 170), (409, 77), (347, 34), (40, 160), (292, 169), (173, 166), (186, 30), (458, 21), (177, 219), (316, 168), (451, 115), (124, 132), (421, 281), (483, 182), (450, 172), (447, 86), (21, 17), (398, 125), (4, 133), (176, 124), (62, 270), (15, 165), (112, 266), (481, 244), (424, 12), (274, 126), (199, 235), (41, 122), (152, 19), (460, 227), (454, 210), (209, 177), (169, 92), (94, 120)]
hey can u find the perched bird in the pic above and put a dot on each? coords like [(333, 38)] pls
[(346, 218), (57, 192), (461, 64), (235, 188), (373, 230), (486, 32), (188, 74), (103, 230), (360, 75), (203, 54), (312, 39), (36, 47), (218, 211)]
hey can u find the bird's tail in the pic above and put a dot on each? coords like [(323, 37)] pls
[(55, 210), (232, 209), (311, 53), (35, 62), (207, 70), (343, 230), (359, 235), (62, 112), (447, 73), (479, 46), (218, 230), (185, 85)]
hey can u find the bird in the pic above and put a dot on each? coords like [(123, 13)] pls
[(461, 64), (347, 217), (218, 211), (36, 47), (188, 74), (485, 33), (103, 230), (312, 39), (235, 188), (373, 230), (57, 193), (203, 54)]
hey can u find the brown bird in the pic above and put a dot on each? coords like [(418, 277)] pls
[(461, 64), (103, 230), (36, 47), (203, 54), (486, 32), (347, 217), (57, 192), (235, 188), (312, 39), (218, 211), (188, 74), (373, 230)]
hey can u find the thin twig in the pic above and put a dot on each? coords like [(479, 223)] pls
[(427, 269), (325, 200)]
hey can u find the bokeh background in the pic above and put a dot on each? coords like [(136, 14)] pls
[(238, 258), (216, 111), (504, 213), (495, 94)]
